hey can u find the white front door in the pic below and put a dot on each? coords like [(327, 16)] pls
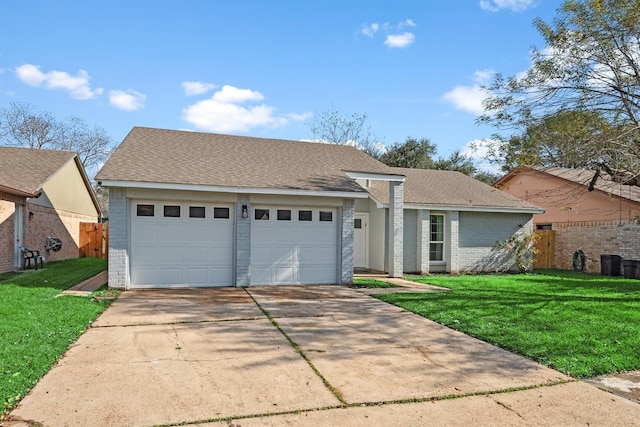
[(361, 241), (18, 235)]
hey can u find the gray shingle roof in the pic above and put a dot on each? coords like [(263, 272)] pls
[(26, 169), (603, 183), (182, 157), (448, 188)]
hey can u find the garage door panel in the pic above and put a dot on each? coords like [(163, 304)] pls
[(181, 251), (294, 252)]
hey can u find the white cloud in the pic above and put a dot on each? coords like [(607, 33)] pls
[(514, 5), (469, 98), (225, 112), (407, 23), (128, 100), (399, 40), (77, 86), (370, 30), (197, 88)]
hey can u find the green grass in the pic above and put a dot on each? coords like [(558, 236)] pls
[(580, 324), (36, 327), (372, 283)]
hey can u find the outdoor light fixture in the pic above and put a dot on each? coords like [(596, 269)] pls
[(30, 215), (245, 212)]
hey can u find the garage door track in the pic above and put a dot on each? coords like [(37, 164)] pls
[(297, 355)]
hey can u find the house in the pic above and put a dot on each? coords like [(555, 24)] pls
[(602, 221), (199, 209), (43, 193)]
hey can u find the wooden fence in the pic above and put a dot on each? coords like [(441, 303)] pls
[(545, 249), (94, 240)]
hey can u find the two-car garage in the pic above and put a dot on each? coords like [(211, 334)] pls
[(190, 244)]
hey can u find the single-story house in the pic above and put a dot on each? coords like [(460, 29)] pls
[(604, 221), (565, 197), (199, 209), (43, 193)]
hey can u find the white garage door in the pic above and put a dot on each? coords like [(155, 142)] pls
[(181, 244), (294, 246)]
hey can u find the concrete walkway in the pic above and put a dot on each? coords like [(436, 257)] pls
[(294, 355), (88, 286)]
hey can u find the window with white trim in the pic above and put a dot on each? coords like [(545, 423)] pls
[(436, 238)]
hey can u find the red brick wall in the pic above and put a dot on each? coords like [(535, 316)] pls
[(596, 238), (7, 210), (47, 222)]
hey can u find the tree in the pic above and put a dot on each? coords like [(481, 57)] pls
[(419, 154), (22, 126), (413, 153), (579, 103), (333, 127)]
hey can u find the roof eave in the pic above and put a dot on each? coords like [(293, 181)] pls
[(230, 189)]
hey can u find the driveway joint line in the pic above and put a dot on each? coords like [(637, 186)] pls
[(299, 350)]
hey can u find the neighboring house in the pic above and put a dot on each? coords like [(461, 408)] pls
[(43, 193), (198, 209), (602, 221)]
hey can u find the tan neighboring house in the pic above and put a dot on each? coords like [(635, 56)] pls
[(43, 193), (200, 209), (602, 221)]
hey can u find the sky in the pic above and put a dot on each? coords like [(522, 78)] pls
[(266, 68)]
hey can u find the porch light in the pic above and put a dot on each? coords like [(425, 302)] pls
[(245, 212)]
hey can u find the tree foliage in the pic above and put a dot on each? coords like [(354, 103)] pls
[(22, 126), (331, 126), (578, 105)]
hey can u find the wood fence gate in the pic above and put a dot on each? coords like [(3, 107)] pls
[(94, 240), (545, 249)]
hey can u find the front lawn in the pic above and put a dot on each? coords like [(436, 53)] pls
[(36, 327), (580, 324), (371, 283)]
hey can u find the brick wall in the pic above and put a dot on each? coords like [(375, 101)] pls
[(7, 210), (41, 222), (347, 240), (118, 237), (243, 242), (596, 238)]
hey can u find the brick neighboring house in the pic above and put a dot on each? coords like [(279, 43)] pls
[(43, 193), (200, 209), (603, 221)]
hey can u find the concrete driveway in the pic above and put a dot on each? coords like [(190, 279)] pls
[(293, 355)]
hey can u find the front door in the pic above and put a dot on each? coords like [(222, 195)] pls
[(361, 241)]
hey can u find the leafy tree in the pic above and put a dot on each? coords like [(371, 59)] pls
[(413, 153), (333, 127), (578, 105), (22, 126)]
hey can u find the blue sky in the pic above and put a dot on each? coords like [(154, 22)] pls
[(264, 68)]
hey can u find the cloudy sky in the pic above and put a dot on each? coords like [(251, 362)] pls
[(264, 68)]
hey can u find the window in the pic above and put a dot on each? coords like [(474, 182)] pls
[(326, 216), (543, 227), (196, 211), (221, 213), (261, 214), (284, 215), (436, 238), (145, 210), (357, 223), (305, 215), (171, 211)]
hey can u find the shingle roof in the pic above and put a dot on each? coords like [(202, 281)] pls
[(26, 169), (182, 157), (448, 188), (603, 183)]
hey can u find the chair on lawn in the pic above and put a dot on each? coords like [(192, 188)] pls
[(28, 255)]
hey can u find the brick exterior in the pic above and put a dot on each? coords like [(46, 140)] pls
[(396, 216), (424, 228), (7, 228), (596, 238), (118, 239), (347, 241), (478, 234), (243, 243)]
